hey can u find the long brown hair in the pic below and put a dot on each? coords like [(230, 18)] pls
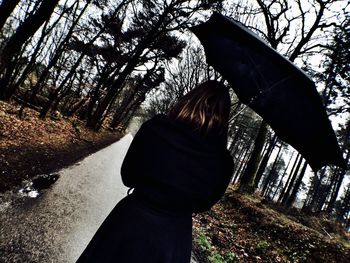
[(207, 107)]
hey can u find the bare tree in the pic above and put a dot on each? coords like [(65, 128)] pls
[(6, 8), (22, 34), (335, 76), (183, 75), (163, 17)]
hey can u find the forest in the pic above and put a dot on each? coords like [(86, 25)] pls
[(105, 62)]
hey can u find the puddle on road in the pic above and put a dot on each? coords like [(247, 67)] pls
[(34, 187), (30, 189)]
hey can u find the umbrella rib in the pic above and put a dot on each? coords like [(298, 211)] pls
[(278, 82), (259, 94), (256, 70), (263, 79)]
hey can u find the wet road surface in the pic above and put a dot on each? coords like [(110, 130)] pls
[(57, 225)]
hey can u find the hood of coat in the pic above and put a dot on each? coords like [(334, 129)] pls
[(186, 137), (174, 167)]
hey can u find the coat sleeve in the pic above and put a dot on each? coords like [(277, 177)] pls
[(217, 189), (130, 167)]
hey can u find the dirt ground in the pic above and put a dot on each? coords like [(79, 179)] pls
[(30, 146), (243, 228)]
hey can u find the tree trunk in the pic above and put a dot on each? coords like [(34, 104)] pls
[(6, 8), (270, 175), (26, 30), (345, 206), (54, 96), (282, 176), (65, 91), (284, 190), (334, 194), (75, 107), (128, 69), (105, 80), (247, 179), (291, 184), (264, 161), (116, 86), (313, 195), (130, 114), (30, 65), (22, 34), (70, 74), (28, 68), (234, 142), (241, 159), (58, 53), (122, 108), (340, 172), (296, 187), (131, 107)]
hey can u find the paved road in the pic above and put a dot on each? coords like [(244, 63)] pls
[(56, 226)]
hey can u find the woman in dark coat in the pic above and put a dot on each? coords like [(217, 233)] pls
[(177, 165)]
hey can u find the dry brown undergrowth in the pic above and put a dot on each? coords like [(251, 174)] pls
[(241, 228), (31, 146)]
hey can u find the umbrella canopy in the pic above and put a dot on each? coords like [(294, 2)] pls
[(281, 93)]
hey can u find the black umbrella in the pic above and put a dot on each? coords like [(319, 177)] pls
[(281, 93)]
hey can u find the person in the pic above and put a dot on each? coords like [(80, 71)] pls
[(176, 165)]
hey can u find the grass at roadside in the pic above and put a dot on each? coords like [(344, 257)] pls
[(242, 228)]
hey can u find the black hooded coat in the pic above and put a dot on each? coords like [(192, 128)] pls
[(175, 171)]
